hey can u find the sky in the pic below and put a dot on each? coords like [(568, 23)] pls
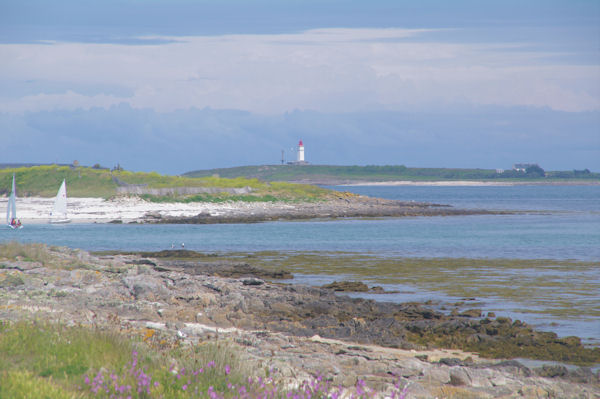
[(181, 85)]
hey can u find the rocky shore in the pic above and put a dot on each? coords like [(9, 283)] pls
[(298, 330), (132, 209), (353, 206)]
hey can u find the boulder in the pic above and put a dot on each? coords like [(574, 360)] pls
[(347, 286)]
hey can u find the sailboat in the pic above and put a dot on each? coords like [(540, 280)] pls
[(59, 214), (11, 209)]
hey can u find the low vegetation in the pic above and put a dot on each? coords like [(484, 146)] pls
[(388, 173), (52, 360), (45, 360), (96, 182), (42, 254)]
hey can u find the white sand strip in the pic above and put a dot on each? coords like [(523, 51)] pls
[(89, 210)]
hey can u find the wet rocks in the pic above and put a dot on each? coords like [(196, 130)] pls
[(350, 286), (301, 330), (252, 281), (356, 206), (471, 313), (237, 271)]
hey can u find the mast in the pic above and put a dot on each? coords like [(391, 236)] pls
[(11, 210)]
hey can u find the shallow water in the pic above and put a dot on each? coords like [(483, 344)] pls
[(563, 222), (532, 236)]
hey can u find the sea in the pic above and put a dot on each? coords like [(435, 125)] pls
[(553, 222)]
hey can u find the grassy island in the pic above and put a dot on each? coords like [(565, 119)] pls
[(333, 174), (96, 182)]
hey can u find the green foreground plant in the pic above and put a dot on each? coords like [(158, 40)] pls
[(40, 360), (44, 360)]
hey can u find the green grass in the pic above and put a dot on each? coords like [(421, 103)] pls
[(380, 173), (28, 252), (88, 182), (215, 198), (45, 180), (44, 360)]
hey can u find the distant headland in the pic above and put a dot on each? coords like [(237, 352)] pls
[(400, 174)]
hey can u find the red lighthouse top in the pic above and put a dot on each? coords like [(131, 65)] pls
[(300, 143)]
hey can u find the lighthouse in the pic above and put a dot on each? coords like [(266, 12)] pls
[(300, 158), (300, 152)]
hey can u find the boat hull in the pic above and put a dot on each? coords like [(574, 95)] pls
[(60, 221)]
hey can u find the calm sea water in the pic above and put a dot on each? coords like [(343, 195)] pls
[(562, 222)]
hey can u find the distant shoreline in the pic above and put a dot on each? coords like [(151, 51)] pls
[(470, 183), (136, 210)]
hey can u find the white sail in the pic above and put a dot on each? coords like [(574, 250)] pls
[(59, 214), (60, 202), (11, 210)]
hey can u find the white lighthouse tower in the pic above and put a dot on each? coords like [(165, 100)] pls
[(300, 152)]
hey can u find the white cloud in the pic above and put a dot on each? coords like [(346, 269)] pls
[(330, 70)]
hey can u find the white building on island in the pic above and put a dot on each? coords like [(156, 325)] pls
[(300, 152), (300, 159)]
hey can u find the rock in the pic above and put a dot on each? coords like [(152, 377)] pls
[(451, 361), (281, 309), (140, 262), (571, 341), (512, 366), (439, 375), (551, 371), (213, 287), (252, 281), (11, 280), (146, 287), (239, 270), (458, 378), (155, 326), (153, 215), (349, 286), (471, 313), (271, 324)]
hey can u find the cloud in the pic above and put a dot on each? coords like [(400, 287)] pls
[(329, 70), (184, 140)]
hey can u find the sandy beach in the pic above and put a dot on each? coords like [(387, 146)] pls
[(129, 209), (126, 209)]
